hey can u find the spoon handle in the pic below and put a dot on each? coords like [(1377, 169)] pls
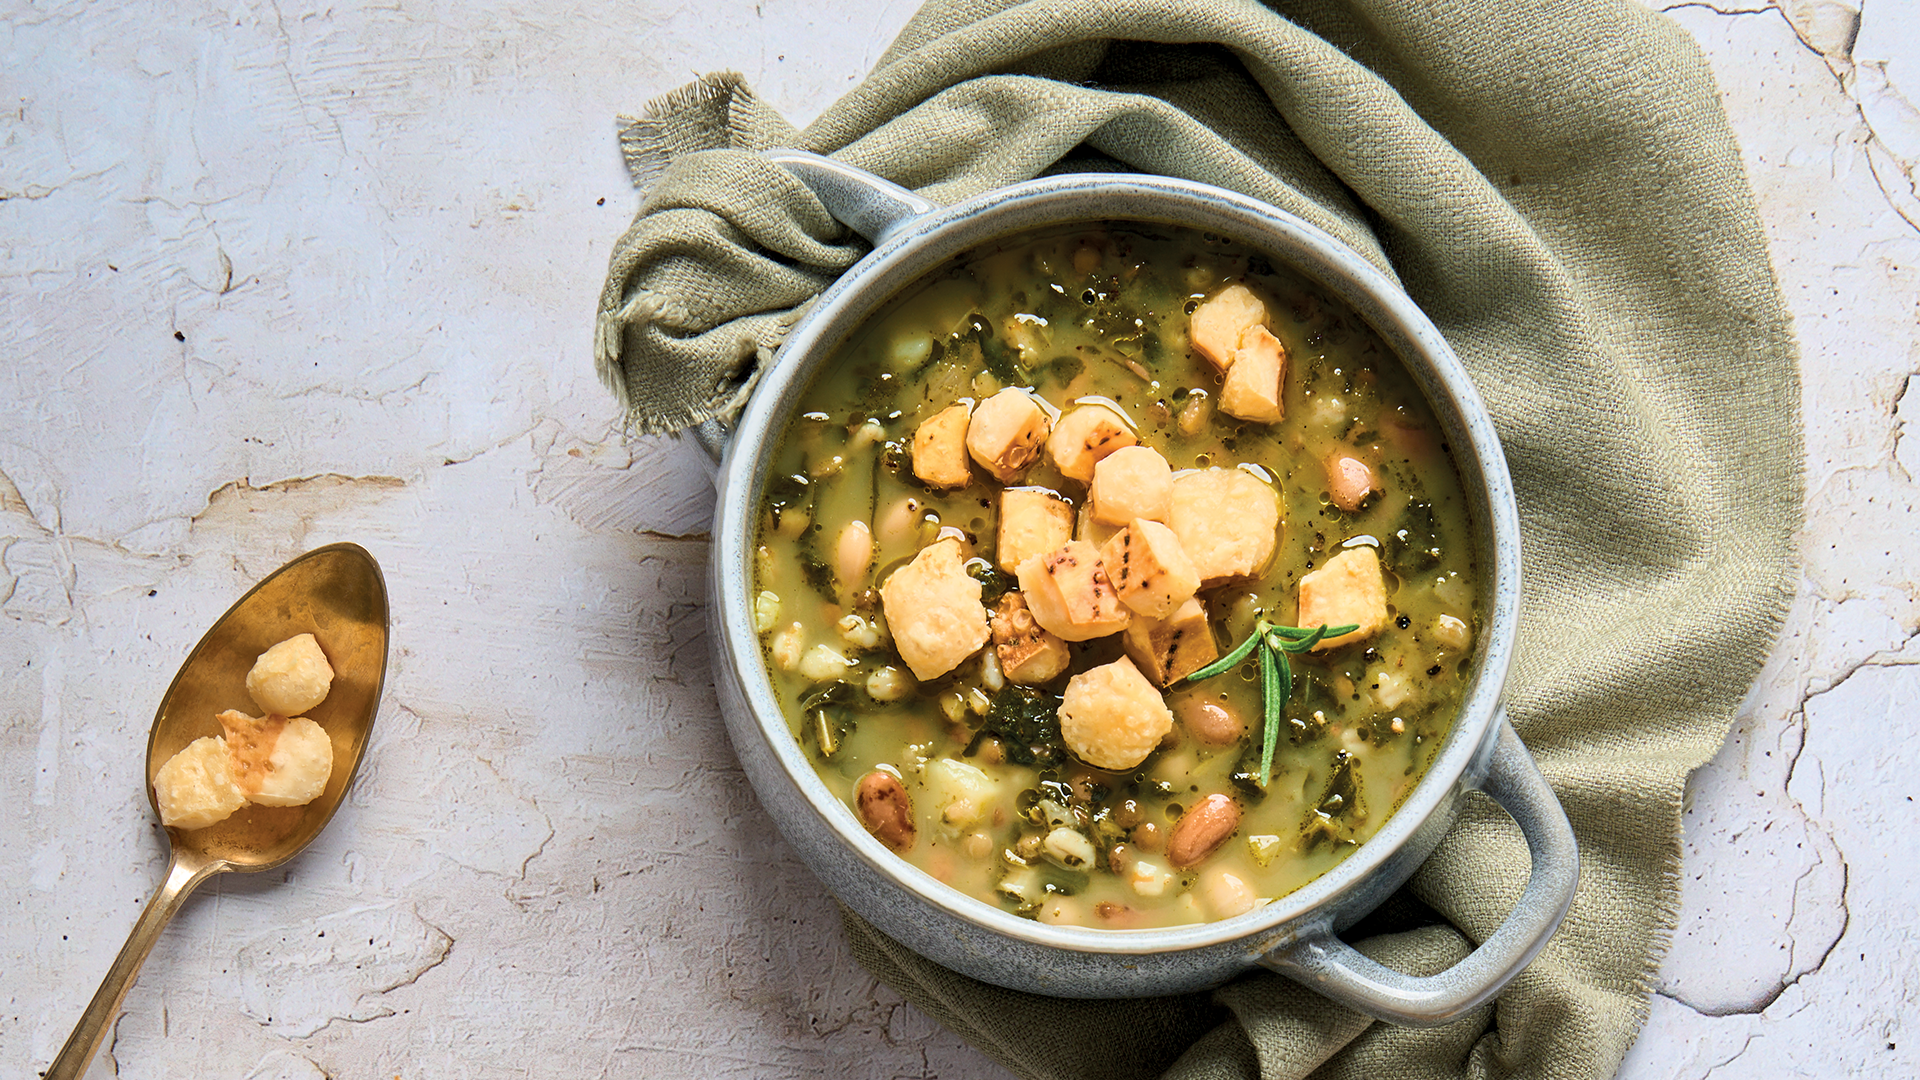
[(183, 874)]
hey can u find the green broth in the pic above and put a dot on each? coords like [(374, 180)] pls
[(1103, 312)]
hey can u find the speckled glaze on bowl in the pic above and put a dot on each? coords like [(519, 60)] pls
[(1295, 934)]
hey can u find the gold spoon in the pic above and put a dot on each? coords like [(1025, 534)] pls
[(337, 594)]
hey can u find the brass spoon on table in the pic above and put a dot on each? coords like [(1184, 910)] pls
[(335, 593)]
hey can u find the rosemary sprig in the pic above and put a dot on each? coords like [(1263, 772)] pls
[(1276, 673)]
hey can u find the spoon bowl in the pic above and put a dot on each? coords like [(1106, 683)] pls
[(337, 594)]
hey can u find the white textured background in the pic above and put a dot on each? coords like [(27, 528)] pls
[(273, 277)]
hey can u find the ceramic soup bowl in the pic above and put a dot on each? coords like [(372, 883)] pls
[(1295, 934)]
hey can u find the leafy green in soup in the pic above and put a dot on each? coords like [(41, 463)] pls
[(1117, 577)]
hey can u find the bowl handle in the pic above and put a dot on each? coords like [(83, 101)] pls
[(1332, 967), (872, 206)]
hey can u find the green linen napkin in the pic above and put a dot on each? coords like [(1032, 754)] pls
[(1556, 185)]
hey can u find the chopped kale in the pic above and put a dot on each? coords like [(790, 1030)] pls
[(1027, 722), (1414, 543), (994, 582), (829, 713)]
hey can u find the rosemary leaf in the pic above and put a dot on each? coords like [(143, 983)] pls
[(1273, 674), (1229, 661)]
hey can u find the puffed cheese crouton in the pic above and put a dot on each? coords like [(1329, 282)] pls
[(1168, 650), (1349, 481), (1349, 588), (1006, 432), (1149, 569), (1084, 436), (1132, 482), (277, 761), (1033, 521), (1069, 594), (1111, 717), (940, 448), (1253, 387), (1028, 655), (290, 677), (195, 788), (1216, 325), (933, 610), (1226, 520)]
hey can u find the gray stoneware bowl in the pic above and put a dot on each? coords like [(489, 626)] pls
[(1296, 934)]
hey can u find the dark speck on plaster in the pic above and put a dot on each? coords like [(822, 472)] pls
[(178, 336), (601, 201)]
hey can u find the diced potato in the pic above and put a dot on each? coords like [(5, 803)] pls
[(1253, 390), (1033, 521), (1149, 569), (1226, 520), (1085, 435), (1091, 529), (1028, 655), (960, 794), (1349, 588), (1216, 325), (277, 761), (290, 677), (1168, 650), (933, 610), (1006, 432), (1450, 632), (940, 448), (1349, 481), (1111, 717), (1132, 482), (195, 788), (1069, 593)]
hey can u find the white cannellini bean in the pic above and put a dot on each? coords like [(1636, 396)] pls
[(901, 522), (1226, 895), (823, 663), (852, 555), (889, 684), (858, 632), (786, 647), (866, 435), (991, 676), (1452, 633), (1069, 847)]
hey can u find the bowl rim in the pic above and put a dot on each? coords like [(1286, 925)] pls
[(929, 241)]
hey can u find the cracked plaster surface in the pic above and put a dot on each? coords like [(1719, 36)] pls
[(271, 278)]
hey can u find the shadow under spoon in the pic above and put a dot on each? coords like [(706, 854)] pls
[(337, 594)]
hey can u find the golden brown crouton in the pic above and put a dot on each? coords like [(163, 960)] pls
[(940, 448), (1132, 482), (1149, 569), (1216, 325), (1005, 433), (1226, 520), (933, 610), (1111, 717), (1033, 521), (1172, 648), (1028, 655), (1253, 390), (1069, 594), (1349, 588), (1085, 435)]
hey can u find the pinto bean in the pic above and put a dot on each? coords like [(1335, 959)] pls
[(1209, 719), (886, 809), (1201, 830)]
